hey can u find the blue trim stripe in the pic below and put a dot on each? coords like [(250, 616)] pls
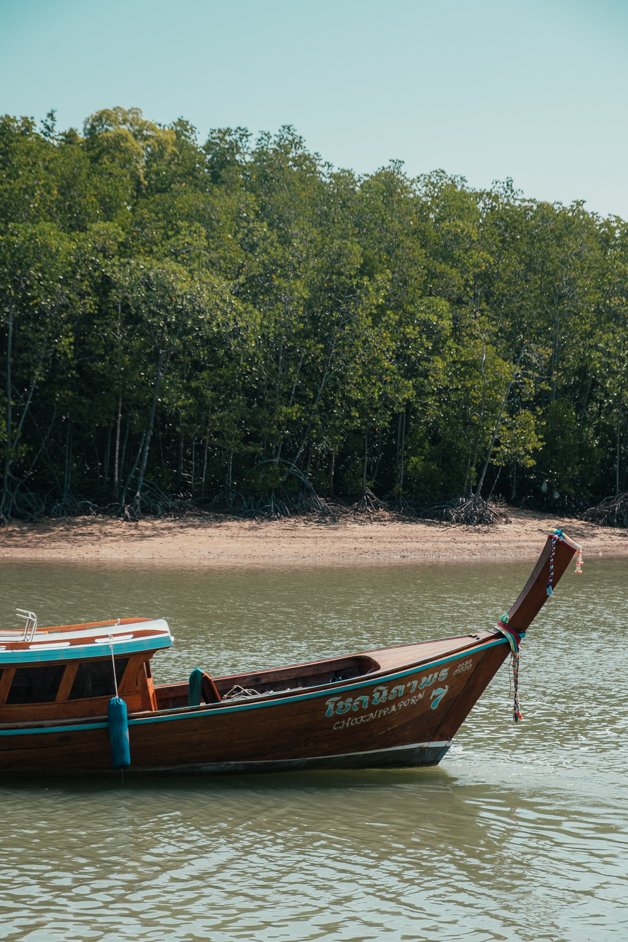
[(70, 728), (317, 694), (83, 651), (238, 706)]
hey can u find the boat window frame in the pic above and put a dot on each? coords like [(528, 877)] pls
[(31, 675), (122, 664), (67, 681), (6, 680)]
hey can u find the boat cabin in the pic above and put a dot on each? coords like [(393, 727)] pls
[(68, 671)]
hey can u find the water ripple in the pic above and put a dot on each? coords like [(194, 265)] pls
[(521, 834)]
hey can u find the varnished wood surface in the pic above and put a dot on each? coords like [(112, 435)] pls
[(399, 705), (277, 727), (16, 633)]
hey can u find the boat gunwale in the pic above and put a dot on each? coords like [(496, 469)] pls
[(261, 701)]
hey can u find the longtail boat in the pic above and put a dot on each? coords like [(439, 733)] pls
[(82, 698)]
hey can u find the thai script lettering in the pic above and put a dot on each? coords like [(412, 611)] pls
[(464, 666), (383, 693)]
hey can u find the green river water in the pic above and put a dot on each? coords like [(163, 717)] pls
[(520, 834)]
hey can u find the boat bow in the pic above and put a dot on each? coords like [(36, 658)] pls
[(559, 549)]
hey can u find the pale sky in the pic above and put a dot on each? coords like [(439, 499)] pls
[(535, 90)]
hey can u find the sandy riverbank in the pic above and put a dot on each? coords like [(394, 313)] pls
[(218, 541)]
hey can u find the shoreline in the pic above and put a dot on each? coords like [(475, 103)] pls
[(213, 541)]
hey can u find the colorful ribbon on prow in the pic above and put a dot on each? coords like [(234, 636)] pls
[(514, 640)]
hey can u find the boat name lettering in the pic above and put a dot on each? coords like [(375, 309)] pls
[(437, 695), (464, 666), (339, 706), (379, 714)]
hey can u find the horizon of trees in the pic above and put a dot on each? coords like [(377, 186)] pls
[(237, 323)]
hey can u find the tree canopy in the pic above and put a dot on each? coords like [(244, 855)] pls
[(238, 323)]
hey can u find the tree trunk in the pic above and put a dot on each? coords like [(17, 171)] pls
[(472, 456), (618, 458), (401, 450), (13, 435), (67, 464), (180, 451), (497, 427), (104, 468), (5, 505), (116, 460), (230, 478), (205, 453), (160, 368), (133, 468)]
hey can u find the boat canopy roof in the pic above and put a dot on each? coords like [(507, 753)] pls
[(122, 636)]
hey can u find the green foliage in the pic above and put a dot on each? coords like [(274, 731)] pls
[(237, 320)]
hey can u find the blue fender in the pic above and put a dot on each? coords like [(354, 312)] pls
[(119, 734)]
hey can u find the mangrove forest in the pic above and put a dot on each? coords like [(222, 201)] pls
[(237, 324)]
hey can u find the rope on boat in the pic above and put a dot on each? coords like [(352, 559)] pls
[(514, 640), (557, 535), (516, 709), (118, 723), (238, 693), (113, 666)]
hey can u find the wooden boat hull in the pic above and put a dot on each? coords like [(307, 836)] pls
[(406, 716), (393, 707)]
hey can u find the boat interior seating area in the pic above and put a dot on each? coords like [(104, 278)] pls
[(203, 688)]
